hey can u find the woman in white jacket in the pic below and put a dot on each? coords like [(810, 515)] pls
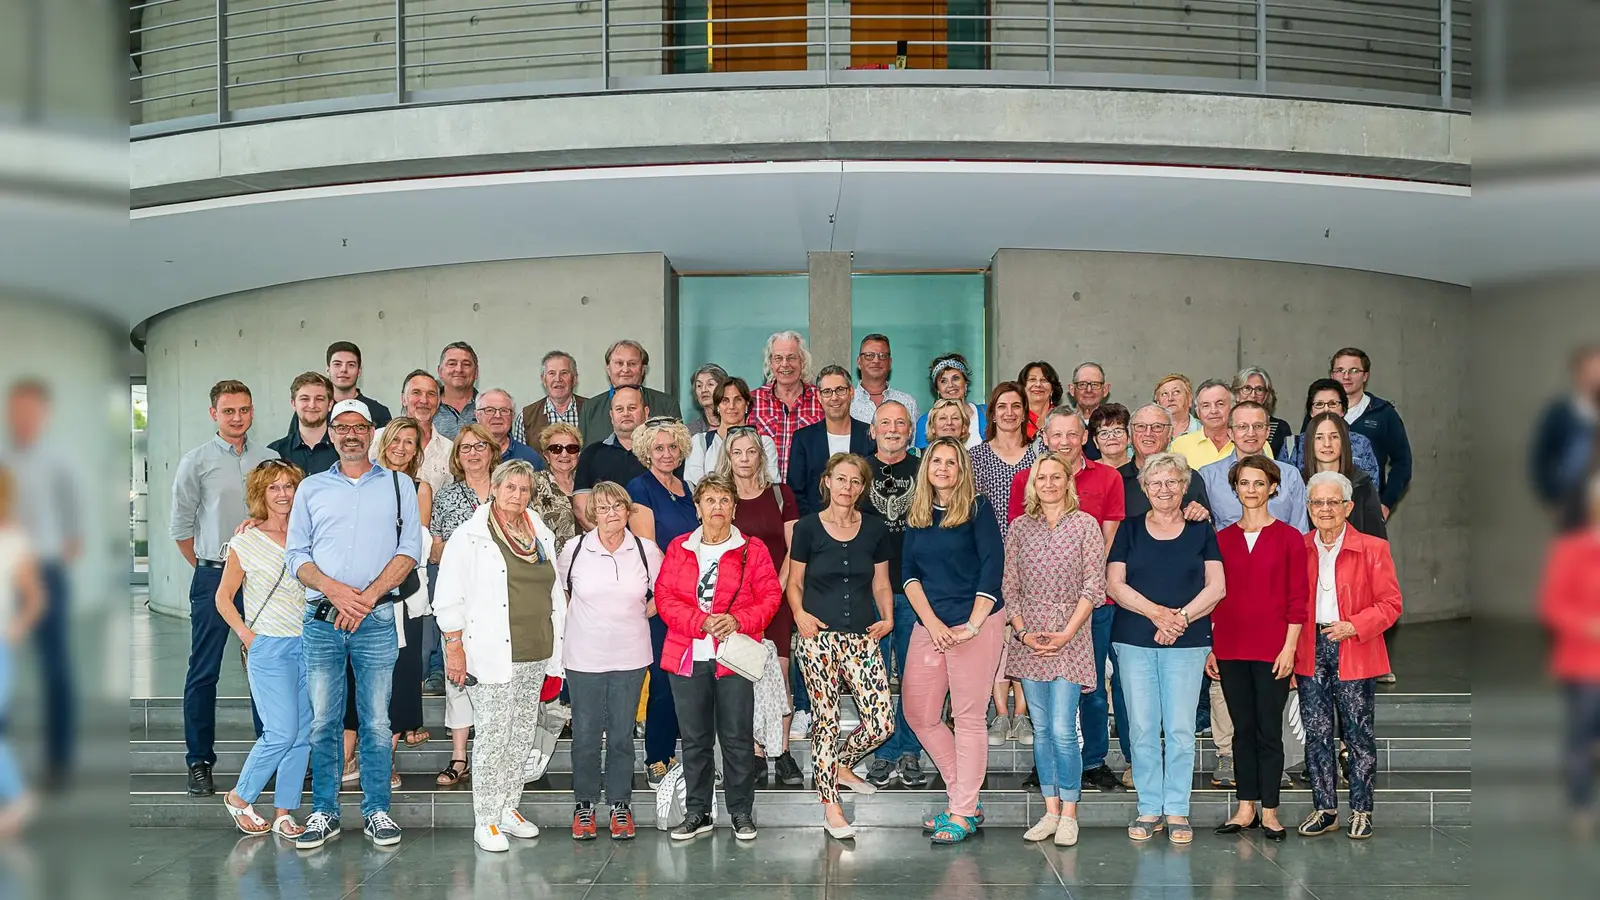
[(502, 612)]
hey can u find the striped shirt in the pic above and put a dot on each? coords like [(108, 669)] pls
[(273, 599)]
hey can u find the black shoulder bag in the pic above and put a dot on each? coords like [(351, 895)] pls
[(413, 582)]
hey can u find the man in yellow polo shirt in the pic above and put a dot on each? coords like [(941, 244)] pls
[(1213, 401)]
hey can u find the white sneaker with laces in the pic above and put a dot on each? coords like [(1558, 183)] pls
[(490, 838), (999, 731), (800, 727), (1022, 731), (512, 823)]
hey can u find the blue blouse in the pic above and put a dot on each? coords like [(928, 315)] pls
[(674, 515), (956, 565)]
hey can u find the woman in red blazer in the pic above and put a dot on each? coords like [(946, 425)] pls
[(1570, 607), (1355, 596), (713, 583), (1255, 632)]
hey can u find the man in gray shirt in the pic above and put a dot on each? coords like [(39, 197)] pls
[(207, 505), (50, 511)]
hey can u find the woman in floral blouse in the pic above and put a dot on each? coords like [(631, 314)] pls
[(1055, 576)]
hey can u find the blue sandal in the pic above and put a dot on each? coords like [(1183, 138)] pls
[(931, 824), (952, 829)]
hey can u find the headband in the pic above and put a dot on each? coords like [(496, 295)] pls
[(956, 364)]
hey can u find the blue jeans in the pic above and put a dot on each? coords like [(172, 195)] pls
[(1093, 709), (11, 784), (277, 669), (903, 742), (432, 641), (1120, 704), (208, 637), (1161, 684), (55, 664), (1053, 708), (371, 650)]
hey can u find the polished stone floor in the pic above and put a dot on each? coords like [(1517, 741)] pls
[(792, 863)]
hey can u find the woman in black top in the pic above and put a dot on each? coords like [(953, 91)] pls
[(1328, 450), (843, 606)]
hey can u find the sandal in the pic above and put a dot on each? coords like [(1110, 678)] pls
[(1180, 833), (1143, 830), (932, 822), (246, 814), (952, 829), (451, 776), (416, 738), (286, 827)]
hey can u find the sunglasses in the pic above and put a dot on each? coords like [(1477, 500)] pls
[(654, 421), (558, 449), (741, 429)]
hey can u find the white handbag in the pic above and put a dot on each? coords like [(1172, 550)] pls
[(739, 652)]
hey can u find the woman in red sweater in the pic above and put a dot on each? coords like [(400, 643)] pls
[(1570, 607), (1254, 633)]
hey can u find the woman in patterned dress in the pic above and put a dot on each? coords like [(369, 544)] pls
[(1005, 451), (1054, 578)]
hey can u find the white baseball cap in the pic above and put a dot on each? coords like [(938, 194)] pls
[(351, 405)]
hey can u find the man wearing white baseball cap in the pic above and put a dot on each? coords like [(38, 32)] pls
[(354, 538)]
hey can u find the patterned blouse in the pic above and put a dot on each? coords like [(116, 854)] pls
[(993, 477), (1048, 573), (453, 505), (554, 507)]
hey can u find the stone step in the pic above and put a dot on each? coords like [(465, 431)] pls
[(1400, 748), (1401, 798)]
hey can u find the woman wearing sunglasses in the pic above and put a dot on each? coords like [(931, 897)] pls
[(560, 445)]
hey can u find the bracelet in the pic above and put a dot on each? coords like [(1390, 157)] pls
[(972, 629), (1185, 613), (452, 640)]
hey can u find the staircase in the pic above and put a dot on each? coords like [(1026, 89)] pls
[(1424, 776)]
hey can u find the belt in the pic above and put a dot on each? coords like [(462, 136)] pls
[(201, 563)]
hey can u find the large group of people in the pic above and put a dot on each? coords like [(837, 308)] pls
[(1020, 568)]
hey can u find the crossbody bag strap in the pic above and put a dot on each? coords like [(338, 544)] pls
[(744, 560), (649, 583)]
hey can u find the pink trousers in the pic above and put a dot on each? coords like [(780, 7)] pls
[(966, 674)]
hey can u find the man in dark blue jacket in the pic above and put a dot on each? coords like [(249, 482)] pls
[(1563, 449), (836, 433), (1376, 418)]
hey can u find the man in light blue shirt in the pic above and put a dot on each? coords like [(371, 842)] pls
[(1248, 426), (354, 536)]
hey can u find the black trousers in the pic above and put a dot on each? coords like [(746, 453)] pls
[(405, 699), (604, 703), (712, 709), (1256, 701)]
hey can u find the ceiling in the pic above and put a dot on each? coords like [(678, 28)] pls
[(767, 216)]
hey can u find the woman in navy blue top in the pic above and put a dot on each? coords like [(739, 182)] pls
[(951, 567), (1165, 574), (663, 509)]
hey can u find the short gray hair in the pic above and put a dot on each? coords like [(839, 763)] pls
[(1058, 412), (559, 354), (805, 356), (509, 469), (510, 401), (1210, 383), (1270, 401), (1345, 487), (1174, 461), (1085, 365), (1152, 406)]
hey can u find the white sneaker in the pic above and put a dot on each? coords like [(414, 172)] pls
[(512, 823), (1022, 731), (1044, 830), (1067, 832), (999, 731), (800, 727), (490, 838)]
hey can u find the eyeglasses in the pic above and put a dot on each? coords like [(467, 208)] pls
[(1326, 504), (473, 447), (494, 411), (655, 421), (1338, 372), (1248, 427), (1147, 427), (1169, 484), (1088, 385), (1112, 433), (1257, 391), (351, 429), (558, 449), (834, 392), (786, 358), (872, 356), (1327, 406)]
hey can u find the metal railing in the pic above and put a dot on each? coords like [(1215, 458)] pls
[(199, 63)]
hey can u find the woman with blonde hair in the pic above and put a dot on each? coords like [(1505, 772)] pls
[(269, 633), (400, 450), (474, 457), (951, 564), (843, 605)]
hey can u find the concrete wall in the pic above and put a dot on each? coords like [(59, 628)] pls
[(1145, 315), (511, 312)]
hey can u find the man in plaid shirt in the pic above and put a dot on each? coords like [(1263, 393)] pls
[(788, 401)]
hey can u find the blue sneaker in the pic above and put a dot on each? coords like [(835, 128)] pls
[(382, 829), (319, 829)]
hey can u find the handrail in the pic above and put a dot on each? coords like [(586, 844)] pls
[(303, 56)]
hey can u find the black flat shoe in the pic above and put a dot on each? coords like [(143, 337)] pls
[(1278, 836), (1235, 827)]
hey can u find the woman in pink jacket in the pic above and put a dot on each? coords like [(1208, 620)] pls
[(1355, 596), (714, 583)]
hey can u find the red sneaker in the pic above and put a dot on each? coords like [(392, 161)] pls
[(621, 823), (583, 823)]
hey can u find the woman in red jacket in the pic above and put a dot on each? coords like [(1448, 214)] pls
[(1354, 597), (713, 583), (1255, 631), (1570, 607)]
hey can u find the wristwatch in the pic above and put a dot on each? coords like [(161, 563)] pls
[(972, 629)]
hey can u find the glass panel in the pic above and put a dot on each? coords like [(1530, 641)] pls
[(727, 319), (924, 316), (139, 481)]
